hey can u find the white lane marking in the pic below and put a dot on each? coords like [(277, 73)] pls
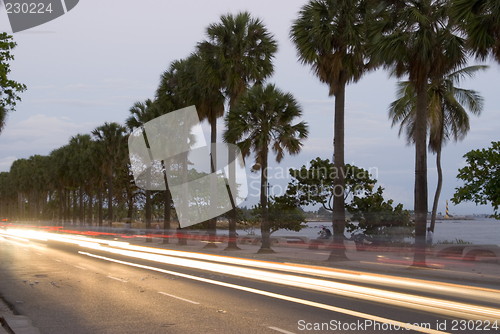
[(186, 300), (280, 330), (270, 294), (116, 278), (80, 267), (57, 260)]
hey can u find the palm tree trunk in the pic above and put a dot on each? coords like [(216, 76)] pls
[(148, 213), (130, 211), (212, 224), (148, 205), (99, 197), (338, 214), (438, 189), (264, 227), (110, 200), (68, 205), (181, 240), (420, 175), (167, 209), (61, 206), (74, 207), (63, 199), (21, 206), (36, 207), (82, 207), (232, 182), (91, 199)]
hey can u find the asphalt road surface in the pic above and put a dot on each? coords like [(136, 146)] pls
[(96, 288)]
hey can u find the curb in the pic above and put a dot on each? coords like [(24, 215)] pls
[(14, 324)]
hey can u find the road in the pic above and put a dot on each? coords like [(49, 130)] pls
[(97, 286)]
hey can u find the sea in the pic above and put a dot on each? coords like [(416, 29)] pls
[(477, 231)]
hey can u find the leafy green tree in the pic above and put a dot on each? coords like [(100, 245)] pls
[(375, 216), (316, 184), (238, 52), (481, 177), (283, 213), (260, 122), (480, 20), (446, 115), (9, 89), (329, 35), (417, 39)]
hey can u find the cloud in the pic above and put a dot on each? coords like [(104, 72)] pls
[(6, 162), (41, 87), (399, 194), (76, 103), (38, 134)]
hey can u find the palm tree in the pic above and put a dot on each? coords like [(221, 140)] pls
[(238, 52), (7, 195), (81, 161), (98, 154), (262, 119), (416, 39), (479, 19), (182, 85), (329, 36), (58, 170), (140, 114), (447, 117), (112, 138), (20, 177)]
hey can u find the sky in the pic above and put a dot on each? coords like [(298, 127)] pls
[(92, 64)]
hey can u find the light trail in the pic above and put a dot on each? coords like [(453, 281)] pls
[(184, 259), (474, 293), (270, 294)]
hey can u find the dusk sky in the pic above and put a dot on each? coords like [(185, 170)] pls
[(93, 63)]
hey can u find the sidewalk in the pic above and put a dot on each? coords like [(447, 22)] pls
[(14, 324)]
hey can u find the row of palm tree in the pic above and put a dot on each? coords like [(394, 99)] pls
[(425, 41), (52, 186), (422, 40)]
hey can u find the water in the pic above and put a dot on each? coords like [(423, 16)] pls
[(478, 231)]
